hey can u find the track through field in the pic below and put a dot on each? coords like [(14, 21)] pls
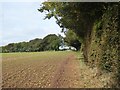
[(41, 70)]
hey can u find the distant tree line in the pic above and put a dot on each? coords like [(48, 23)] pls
[(50, 42)]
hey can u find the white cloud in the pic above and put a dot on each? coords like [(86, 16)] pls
[(22, 22)]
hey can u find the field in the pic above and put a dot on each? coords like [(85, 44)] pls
[(63, 69), (40, 69)]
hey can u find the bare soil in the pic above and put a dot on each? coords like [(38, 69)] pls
[(66, 72), (62, 73)]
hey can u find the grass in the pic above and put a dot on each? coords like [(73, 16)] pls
[(17, 59), (35, 55)]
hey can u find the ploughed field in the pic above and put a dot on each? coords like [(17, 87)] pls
[(41, 70)]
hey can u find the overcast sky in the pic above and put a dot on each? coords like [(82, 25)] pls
[(22, 22)]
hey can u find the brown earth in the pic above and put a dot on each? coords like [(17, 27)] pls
[(45, 74), (68, 72)]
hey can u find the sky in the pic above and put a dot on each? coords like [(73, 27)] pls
[(21, 21)]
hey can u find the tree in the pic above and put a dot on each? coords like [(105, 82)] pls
[(72, 39), (50, 42), (34, 45), (74, 16)]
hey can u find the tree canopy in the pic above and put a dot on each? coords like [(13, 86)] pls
[(72, 39), (50, 42), (74, 16)]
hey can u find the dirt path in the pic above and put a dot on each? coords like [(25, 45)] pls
[(67, 74)]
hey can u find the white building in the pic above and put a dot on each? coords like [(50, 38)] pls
[(65, 47)]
